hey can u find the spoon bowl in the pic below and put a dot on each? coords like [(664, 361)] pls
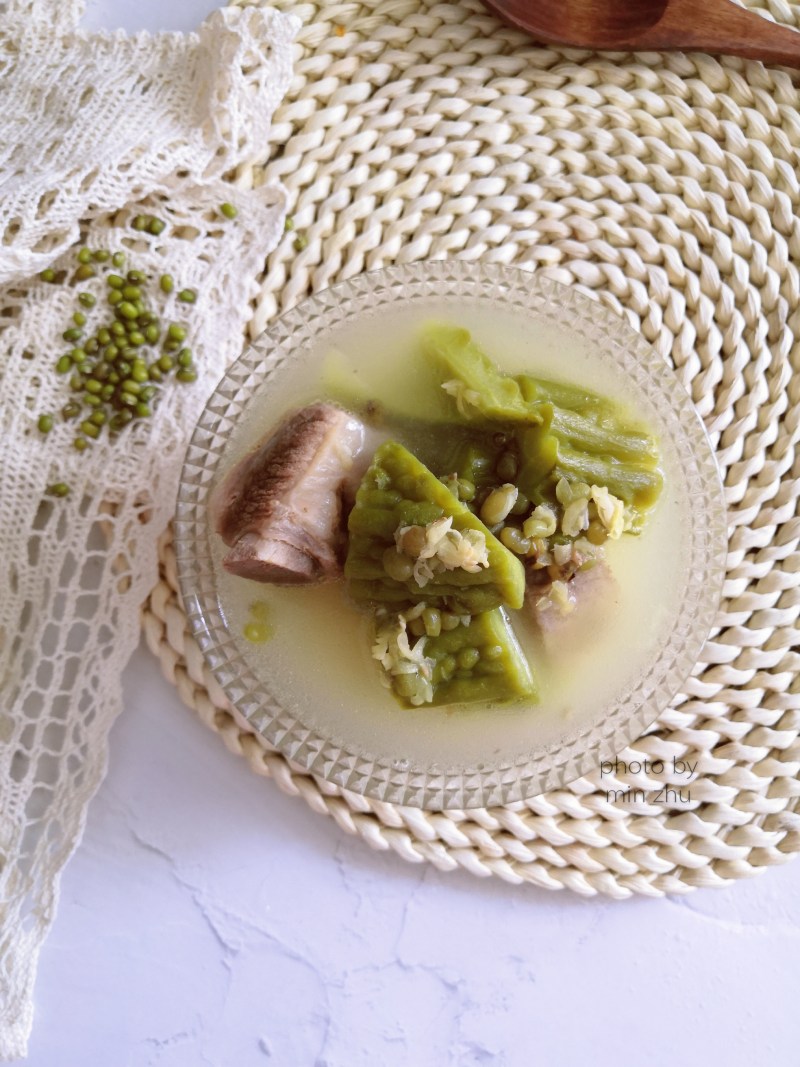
[(653, 25)]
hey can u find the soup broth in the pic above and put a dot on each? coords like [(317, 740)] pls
[(317, 660)]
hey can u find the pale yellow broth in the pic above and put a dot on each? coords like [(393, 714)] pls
[(318, 663)]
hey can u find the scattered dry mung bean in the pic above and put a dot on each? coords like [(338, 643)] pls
[(107, 369)]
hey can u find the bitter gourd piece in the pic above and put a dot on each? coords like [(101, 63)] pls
[(473, 457), (608, 437), (398, 490), (562, 431), (637, 484), (565, 396), (481, 662), (478, 388)]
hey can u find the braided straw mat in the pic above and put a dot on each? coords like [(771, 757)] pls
[(666, 186)]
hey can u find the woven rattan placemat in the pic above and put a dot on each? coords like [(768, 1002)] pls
[(668, 185)]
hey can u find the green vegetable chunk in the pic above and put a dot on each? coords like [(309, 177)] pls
[(490, 665), (399, 491), (471, 458), (479, 662), (479, 389), (561, 430), (638, 485), (565, 396)]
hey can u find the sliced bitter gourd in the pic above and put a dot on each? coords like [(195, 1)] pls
[(479, 389), (500, 672), (396, 492), (562, 431), (481, 661)]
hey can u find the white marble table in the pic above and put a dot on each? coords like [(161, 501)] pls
[(209, 919)]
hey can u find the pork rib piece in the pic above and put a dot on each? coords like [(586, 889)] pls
[(280, 509), (595, 598)]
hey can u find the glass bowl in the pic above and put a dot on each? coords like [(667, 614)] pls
[(312, 690)]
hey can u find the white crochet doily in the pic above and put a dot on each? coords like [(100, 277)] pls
[(668, 185), (93, 131)]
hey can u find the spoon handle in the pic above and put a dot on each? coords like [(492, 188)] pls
[(722, 26), (654, 25)]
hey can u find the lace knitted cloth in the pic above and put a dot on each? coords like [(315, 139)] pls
[(96, 129)]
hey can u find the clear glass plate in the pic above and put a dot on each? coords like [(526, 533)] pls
[(312, 690)]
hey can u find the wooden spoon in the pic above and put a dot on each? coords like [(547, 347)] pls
[(653, 25)]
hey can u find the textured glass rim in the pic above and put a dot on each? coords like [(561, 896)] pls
[(392, 780)]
